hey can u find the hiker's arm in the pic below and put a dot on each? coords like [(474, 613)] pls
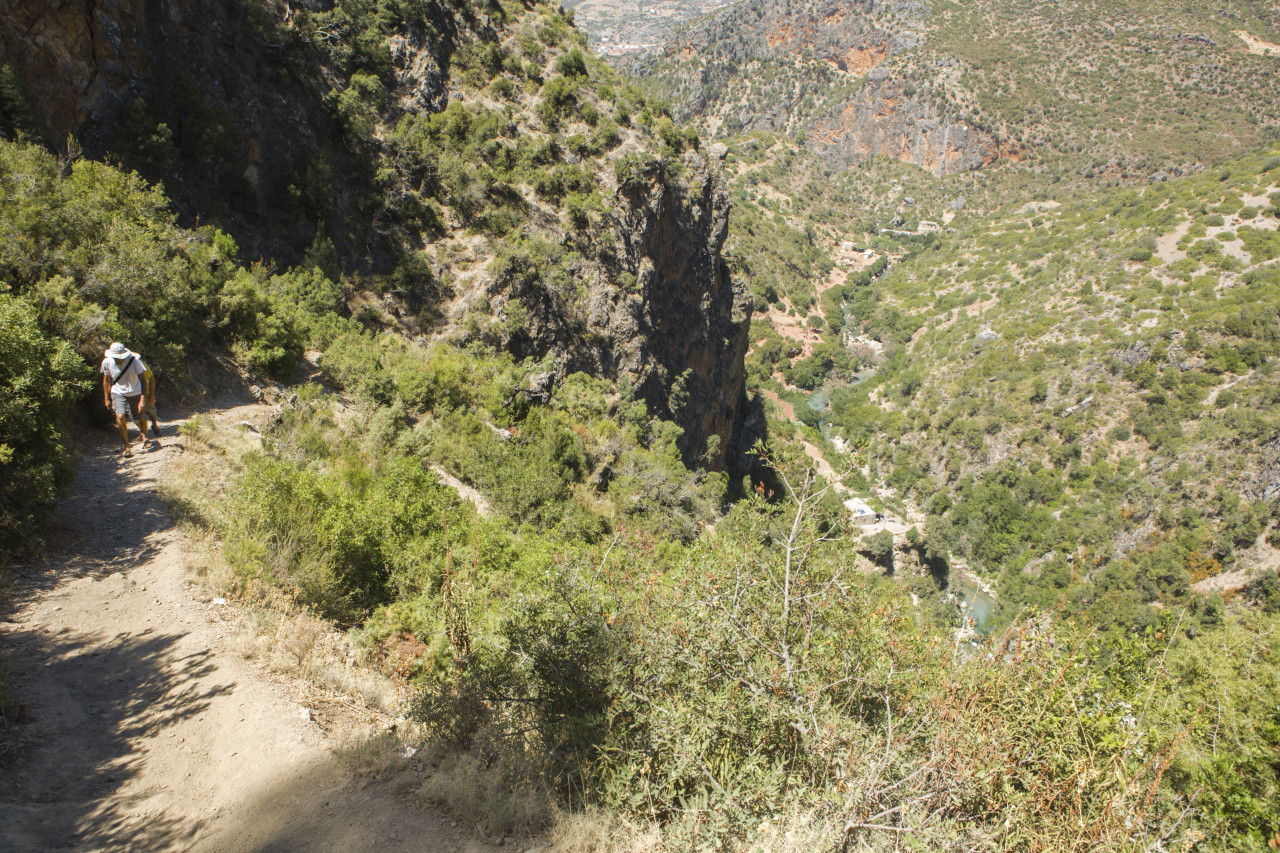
[(149, 386), (106, 391)]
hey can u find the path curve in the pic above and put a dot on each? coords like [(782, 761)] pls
[(145, 734)]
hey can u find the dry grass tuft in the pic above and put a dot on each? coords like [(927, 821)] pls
[(485, 796), (596, 831), (796, 833)]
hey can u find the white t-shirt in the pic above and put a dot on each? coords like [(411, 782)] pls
[(129, 383)]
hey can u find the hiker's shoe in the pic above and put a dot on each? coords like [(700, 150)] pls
[(127, 453)]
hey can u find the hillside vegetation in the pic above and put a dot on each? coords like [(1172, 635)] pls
[(713, 690), (615, 642), (1083, 401), (1067, 91)]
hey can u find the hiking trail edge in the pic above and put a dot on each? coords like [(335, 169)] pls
[(145, 734)]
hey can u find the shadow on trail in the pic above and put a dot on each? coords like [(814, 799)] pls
[(109, 523), (92, 696), (93, 693), (104, 689)]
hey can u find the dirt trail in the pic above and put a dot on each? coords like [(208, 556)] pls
[(146, 735)]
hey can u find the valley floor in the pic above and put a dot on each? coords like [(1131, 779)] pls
[(147, 733)]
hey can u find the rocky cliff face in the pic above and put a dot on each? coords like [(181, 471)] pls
[(883, 119), (679, 328), (841, 72), (257, 146), (76, 57), (252, 115), (684, 333)]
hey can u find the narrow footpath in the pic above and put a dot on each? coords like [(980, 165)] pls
[(144, 734)]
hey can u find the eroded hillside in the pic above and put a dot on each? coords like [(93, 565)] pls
[(1071, 88), (1106, 368), (471, 168)]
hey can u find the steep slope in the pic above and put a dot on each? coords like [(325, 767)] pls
[(1082, 397), (454, 160), (1072, 87)]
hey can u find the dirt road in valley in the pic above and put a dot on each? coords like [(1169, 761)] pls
[(147, 733)]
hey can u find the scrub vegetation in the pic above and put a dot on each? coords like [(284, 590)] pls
[(1074, 404)]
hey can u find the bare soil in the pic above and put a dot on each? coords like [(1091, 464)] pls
[(147, 733)]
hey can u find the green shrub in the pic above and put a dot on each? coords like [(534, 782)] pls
[(359, 104), (558, 95), (504, 88), (39, 378), (100, 254), (348, 538), (879, 546), (572, 64)]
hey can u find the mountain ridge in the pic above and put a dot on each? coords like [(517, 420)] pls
[(1024, 82)]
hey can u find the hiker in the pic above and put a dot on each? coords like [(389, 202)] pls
[(129, 389)]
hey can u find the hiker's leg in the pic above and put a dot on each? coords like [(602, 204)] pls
[(120, 405), (149, 414), (134, 406)]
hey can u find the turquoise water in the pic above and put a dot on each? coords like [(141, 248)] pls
[(980, 604), (819, 399)]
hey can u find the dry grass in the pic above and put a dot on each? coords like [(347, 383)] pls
[(796, 833), (596, 831), (484, 796), (266, 625)]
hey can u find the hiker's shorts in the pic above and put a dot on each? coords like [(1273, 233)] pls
[(127, 407)]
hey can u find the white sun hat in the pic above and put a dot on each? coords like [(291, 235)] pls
[(117, 350)]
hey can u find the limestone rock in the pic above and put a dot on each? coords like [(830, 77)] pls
[(1136, 353), (701, 67)]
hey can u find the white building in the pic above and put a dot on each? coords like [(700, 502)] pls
[(859, 511)]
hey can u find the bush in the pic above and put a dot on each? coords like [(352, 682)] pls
[(358, 104), (878, 546), (754, 680), (558, 95), (39, 378), (572, 64), (99, 252), (348, 538)]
